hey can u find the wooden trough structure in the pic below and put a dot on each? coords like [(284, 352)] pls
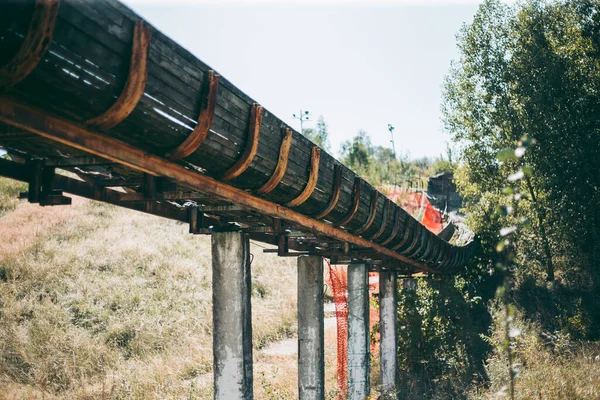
[(89, 87)]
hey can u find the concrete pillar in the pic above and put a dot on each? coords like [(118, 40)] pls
[(232, 317), (358, 332), (311, 354), (388, 323)]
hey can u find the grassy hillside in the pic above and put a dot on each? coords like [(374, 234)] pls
[(102, 302)]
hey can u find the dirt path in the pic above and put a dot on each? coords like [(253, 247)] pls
[(289, 347)]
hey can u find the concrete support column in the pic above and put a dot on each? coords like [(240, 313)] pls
[(388, 323), (358, 332), (311, 354), (232, 317)]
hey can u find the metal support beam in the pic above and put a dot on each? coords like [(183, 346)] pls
[(311, 354), (388, 323), (232, 316), (358, 332)]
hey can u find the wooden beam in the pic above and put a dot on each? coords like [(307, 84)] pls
[(76, 161), (395, 229), (136, 81), (313, 176), (205, 118), (74, 135), (355, 203), (176, 195), (372, 213), (282, 161), (251, 146), (384, 220), (35, 45), (408, 231), (335, 195)]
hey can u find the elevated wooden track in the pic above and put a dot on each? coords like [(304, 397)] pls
[(92, 78), (91, 88)]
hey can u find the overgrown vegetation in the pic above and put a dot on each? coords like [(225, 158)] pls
[(524, 315), (531, 70)]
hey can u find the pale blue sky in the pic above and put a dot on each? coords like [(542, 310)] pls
[(361, 65)]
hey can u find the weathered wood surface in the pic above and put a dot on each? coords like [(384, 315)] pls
[(86, 68)]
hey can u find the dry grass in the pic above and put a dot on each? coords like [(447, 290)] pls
[(9, 191), (550, 366), (101, 302)]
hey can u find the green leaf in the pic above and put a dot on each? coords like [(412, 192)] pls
[(506, 155)]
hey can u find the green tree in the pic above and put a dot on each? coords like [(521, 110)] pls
[(532, 69), (358, 153), (319, 135)]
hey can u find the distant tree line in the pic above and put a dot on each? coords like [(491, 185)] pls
[(377, 164)]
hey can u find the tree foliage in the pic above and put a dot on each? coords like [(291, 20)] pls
[(319, 135), (532, 69)]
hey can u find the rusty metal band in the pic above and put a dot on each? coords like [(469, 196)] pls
[(443, 249), (427, 251), (78, 137), (439, 252), (282, 162), (420, 243), (454, 262), (406, 235), (355, 203), (136, 81), (208, 100), (313, 176), (34, 46), (429, 256), (384, 220), (395, 229), (251, 146), (409, 234), (448, 258), (335, 196), (372, 213), (444, 257)]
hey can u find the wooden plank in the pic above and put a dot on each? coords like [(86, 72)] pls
[(281, 167), (355, 203), (384, 220), (76, 161), (136, 82), (251, 146), (312, 179), (395, 229), (407, 235), (335, 193), (372, 214), (207, 110), (34, 46)]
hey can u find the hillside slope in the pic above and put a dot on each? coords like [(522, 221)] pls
[(102, 302)]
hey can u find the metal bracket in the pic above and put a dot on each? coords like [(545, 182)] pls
[(205, 118), (136, 81)]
